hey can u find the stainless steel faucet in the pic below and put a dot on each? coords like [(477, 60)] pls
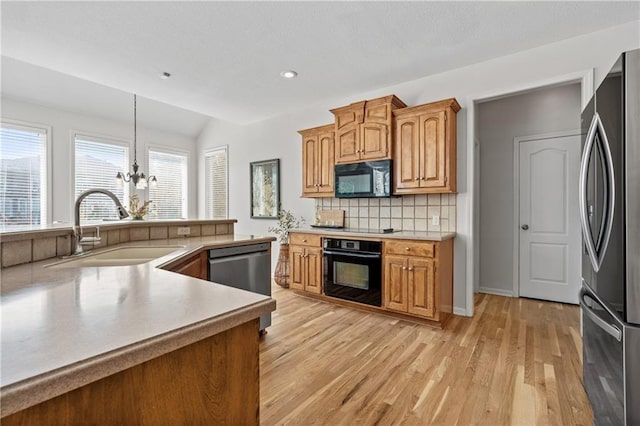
[(77, 229)]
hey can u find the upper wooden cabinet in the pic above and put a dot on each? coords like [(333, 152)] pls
[(363, 130), (425, 148), (317, 161)]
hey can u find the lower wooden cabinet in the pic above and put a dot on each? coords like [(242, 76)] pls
[(195, 266), (419, 282), (305, 260), (417, 276)]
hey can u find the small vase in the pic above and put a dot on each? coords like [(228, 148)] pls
[(281, 275), (138, 218)]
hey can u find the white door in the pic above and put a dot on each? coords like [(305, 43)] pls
[(549, 227)]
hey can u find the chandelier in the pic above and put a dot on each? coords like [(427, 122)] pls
[(138, 179)]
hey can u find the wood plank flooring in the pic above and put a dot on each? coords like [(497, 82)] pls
[(516, 362)]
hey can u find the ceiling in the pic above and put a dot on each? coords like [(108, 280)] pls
[(226, 57)]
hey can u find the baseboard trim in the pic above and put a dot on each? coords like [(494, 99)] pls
[(460, 311), (496, 291)]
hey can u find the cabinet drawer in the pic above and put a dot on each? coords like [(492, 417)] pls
[(305, 239), (410, 248)]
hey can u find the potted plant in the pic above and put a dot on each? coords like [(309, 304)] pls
[(138, 212), (286, 222)]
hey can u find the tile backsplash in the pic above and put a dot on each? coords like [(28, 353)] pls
[(407, 213)]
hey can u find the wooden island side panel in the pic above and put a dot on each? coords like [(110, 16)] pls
[(212, 381)]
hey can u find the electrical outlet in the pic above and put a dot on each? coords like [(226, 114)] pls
[(184, 230), (435, 221)]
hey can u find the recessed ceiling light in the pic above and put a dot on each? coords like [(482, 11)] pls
[(289, 74), (165, 75)]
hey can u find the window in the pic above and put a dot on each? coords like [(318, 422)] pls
[(97, 161), (169, 195), (23, 175), (216, 183)]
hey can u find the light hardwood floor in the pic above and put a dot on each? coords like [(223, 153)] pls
[(517, 361)]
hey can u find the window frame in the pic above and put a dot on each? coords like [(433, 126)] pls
[(207, 153), (100, 138), (173, 151), (46, 217)]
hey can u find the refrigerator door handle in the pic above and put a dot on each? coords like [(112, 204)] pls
[(610, 329), (597, 249)]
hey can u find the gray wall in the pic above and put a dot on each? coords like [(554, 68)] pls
[(499, 122)]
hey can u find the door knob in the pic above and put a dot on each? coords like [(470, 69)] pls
[(525, 227)]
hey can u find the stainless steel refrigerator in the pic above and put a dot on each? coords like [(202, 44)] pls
[(610, 215)]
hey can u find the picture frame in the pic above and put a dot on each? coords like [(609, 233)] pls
[(265, 189)]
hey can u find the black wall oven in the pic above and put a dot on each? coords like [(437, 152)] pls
[(353, 270)]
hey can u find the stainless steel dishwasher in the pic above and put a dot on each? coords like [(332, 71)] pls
[(244, 267)]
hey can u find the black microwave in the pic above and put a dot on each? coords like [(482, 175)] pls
[(370, 179)]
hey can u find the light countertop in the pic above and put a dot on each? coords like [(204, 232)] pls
[(65, 327), (401, 235)]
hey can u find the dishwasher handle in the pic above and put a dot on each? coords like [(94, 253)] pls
[(227, 252), (214, 260)]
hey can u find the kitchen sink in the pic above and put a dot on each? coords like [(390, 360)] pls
[(117, 257)]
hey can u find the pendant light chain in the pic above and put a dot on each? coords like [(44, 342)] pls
[(135, 128), (138, 179)]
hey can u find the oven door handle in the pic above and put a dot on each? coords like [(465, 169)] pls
[(350, 254)]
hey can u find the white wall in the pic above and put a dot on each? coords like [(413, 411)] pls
[(499, 122), (277, 138), (64, 123)]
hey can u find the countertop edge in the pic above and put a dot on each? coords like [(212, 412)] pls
[(21, 395)]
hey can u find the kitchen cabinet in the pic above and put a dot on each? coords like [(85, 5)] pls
[(305, 259), (363, 130), (318, 161), (195, 266), (418, 278), (425, 148)]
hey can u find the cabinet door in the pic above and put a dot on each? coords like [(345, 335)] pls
[(325, 162), (407, 158), (313, 263), (297, 269), (374, 141), (309, 165), (433, 150), (395, 283), (347, 144), (421, 287), (377, 113)]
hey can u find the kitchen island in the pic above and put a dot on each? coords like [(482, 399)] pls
[(130, 344)]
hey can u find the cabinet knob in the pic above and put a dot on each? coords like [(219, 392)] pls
[(407, 248), (422, 178), (411, 269), (404, 268), (417, 178), (304, 241)]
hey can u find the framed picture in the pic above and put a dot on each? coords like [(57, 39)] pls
[(265, 189)]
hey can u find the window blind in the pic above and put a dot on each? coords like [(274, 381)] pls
[(169, 196), (97, 162), (216, 183), (23, 172)]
